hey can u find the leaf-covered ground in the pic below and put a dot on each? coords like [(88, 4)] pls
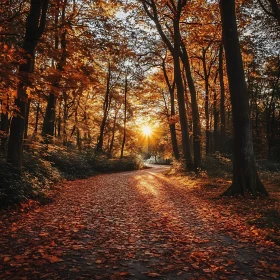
[(134, 225)]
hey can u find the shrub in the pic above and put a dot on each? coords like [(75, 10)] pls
[(45, 165)]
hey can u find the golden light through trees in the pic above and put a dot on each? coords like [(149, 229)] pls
[(111, 78), (146, 130)]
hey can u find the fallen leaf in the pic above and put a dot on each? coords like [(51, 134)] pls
[(264, 264), (153, 274), (195, 265), (54, 259), (44, 234), (124, 273)]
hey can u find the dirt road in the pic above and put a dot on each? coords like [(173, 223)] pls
[(131, 225)]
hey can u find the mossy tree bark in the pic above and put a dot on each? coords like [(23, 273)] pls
[(245, 175)]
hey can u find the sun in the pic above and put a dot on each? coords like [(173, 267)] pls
[(146, 130)]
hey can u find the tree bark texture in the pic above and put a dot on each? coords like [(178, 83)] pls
[(35, 25), (50, 114), (175, 51), (172, 128), (125, 109), (206, 105), (113, 132), (194, 106), (216, 121), (222, 100), (105, 111), (245, 175), (181, 96)]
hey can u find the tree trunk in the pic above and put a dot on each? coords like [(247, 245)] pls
[(65, 118), (125, 109), (37, 118), (181, 96), (245, 175), (206, 105), (113, 133), (274, 7), (216, 121), (4, 125), (99, 145), (59, 121), (151, 11), (172, 127), (35, 25), (222, 101), (49, 119), (26, 118), (194, 106)]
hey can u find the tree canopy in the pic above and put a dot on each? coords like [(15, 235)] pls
[(88, 75)]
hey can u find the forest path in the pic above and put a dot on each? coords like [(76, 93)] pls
[(130, 225)]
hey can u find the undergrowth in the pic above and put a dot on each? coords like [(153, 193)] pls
[(46, 165)]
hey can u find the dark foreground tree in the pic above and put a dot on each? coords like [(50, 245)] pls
[(245, 175), (35, 25)]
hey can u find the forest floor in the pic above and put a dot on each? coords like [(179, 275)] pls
[(142, 225)]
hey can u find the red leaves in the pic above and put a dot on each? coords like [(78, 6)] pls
[(53, 259), (100, 261), (6, 259), (121, 230)]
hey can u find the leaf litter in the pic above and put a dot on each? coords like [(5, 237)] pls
[(142, 225)]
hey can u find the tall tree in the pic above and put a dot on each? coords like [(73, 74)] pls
[(125, 113), (174, 46), (172, 128), (105, 109), (35, 25), (245, 175), (49, 119), (195, 113), (222, 100)]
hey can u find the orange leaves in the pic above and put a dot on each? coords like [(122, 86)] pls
[(43, 234), (20, 257), (54, 259), (153, 274), (100, 261), (131, 240), (207, 270), (105, 224)]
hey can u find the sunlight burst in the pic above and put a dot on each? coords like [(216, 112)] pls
[(146, 130)]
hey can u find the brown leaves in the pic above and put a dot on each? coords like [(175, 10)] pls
[(54, 259), (121, 230), (153, 274), (100, 261)]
